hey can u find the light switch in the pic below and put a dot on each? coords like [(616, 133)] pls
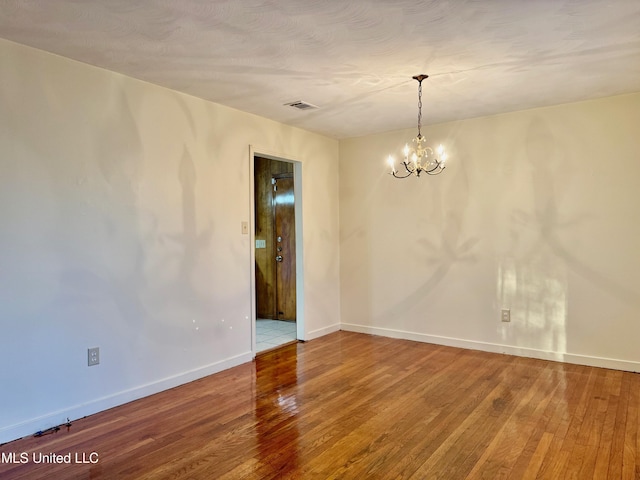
[(245, 228)]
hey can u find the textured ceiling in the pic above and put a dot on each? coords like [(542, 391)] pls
[(354, 59)]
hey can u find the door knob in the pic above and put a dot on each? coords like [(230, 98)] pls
[(279, 258)]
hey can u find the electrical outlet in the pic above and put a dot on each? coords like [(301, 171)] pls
[(506, 315), (93, 355)]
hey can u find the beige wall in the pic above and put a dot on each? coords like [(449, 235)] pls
[(537, 212), (120, 227)]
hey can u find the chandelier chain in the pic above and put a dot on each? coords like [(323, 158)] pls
[(419, 108)]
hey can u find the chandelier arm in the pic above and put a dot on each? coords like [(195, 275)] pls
[(435, 167), (409, 167), (395, 174), (435, 171)]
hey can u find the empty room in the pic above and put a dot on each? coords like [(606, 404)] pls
[(319, 239)]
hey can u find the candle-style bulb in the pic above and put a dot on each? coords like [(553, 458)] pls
[(391, 164)]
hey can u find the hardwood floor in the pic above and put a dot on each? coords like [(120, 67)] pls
[(356, 406)]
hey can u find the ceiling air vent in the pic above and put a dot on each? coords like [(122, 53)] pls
[(300, 105)]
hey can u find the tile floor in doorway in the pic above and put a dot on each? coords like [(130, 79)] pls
[(273, 333)]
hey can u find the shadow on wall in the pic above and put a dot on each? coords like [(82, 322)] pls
[(441, 243), (135, 263), (357, 239), (533, 278)]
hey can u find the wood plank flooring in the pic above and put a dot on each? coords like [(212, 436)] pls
[(356, 406)]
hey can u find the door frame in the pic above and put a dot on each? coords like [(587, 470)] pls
[(301, 331)]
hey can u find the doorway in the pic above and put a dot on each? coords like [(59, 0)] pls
[(275, 253)]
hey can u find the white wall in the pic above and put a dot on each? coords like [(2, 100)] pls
[(537, 212), (120, 227)]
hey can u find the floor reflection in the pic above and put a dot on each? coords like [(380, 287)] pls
[(277, 412)]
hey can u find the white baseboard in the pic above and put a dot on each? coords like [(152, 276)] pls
[(612, 363), (320, 332), (29, 427)]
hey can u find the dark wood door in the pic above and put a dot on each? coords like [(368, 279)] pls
[(267, 172), (285, 242)]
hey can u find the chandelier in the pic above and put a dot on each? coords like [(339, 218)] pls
[(420, 158)]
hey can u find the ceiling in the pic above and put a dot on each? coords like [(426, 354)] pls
[(353, 59)]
